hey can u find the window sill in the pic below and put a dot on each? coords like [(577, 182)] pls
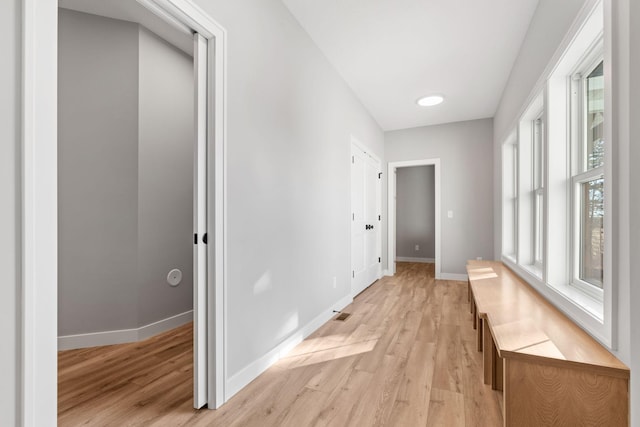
[(534, 270), (592, 306), (584, 310)]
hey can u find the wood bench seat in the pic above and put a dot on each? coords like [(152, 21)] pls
[(551, 371)]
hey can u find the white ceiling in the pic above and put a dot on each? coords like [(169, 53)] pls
[(392, 52)]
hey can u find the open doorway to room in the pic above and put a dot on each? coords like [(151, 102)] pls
[(414, 213), (41, 239), (130, 207)]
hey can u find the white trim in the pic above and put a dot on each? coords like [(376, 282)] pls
[(412, 259), (257, 367), (122, 336), (39, 270), (391, 210), (38, 402), (386, 272), (454, 276)]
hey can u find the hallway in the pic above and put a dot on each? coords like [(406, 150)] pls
[(405, 357)]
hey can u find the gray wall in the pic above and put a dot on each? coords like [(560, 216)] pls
[(415, 212), (10, 248), (165, 178), (290, 121), (125, 175), (98, 173), (466, 162)]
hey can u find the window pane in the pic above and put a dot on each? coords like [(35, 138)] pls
[(592, 231), (594, 131), (539, 212)]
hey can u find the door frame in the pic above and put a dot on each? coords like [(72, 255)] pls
[(39, 231), (391, 214), (356, 143)]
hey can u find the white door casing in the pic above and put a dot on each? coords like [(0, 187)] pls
[(200, 224), (38, 377), (366, 236), (391, 214)]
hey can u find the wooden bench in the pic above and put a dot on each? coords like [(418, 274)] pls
[(551, 372)]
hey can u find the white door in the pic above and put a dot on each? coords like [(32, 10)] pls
[(365, 219), (200, 226)]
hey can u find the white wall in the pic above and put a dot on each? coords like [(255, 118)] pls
[(465, 152), (290, 121), (415, 212), (10, 49), (551, 22), (165, 178), (125, 175), (633, 89)]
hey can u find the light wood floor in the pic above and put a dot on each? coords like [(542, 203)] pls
[(406, 357)]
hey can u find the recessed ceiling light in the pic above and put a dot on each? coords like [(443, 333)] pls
[(430, 101)]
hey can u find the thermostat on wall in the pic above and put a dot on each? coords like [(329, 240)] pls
[(174, 277)]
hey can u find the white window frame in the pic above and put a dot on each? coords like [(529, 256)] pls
[(510, 197), (537, 157), (596, 316), (528, 191), (580, 173)]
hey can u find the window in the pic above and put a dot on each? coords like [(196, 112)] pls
[(556, 169), (587, 178), (538, 191), (530, 195), (510, 198)]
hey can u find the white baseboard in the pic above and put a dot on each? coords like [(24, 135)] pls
[(254, 369), (96, 339), (411, 259), (453, 276), (386, 273)]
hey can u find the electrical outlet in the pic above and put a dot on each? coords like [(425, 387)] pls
[(450, 214), (417, 247), (335, 282)]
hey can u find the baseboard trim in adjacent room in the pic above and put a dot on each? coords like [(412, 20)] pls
[(238, 381), (97, 339), (411, 259), (454, 276)]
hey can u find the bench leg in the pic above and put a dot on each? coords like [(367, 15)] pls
[(479, 332), (498, 370), (488, 353), (474, 314)]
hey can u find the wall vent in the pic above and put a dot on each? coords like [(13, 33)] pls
[(343, 316)]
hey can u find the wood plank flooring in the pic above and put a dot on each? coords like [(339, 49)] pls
[(405, 357)]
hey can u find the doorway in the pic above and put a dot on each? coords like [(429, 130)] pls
[(428, 226), (366, 217), (40, 237), (126, 145)]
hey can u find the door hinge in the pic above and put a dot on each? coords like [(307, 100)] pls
[(353, 274), (379, 260), (353, 217), (380, 175), (353, 159), (205, 238), (195, 238), (379, 218)]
